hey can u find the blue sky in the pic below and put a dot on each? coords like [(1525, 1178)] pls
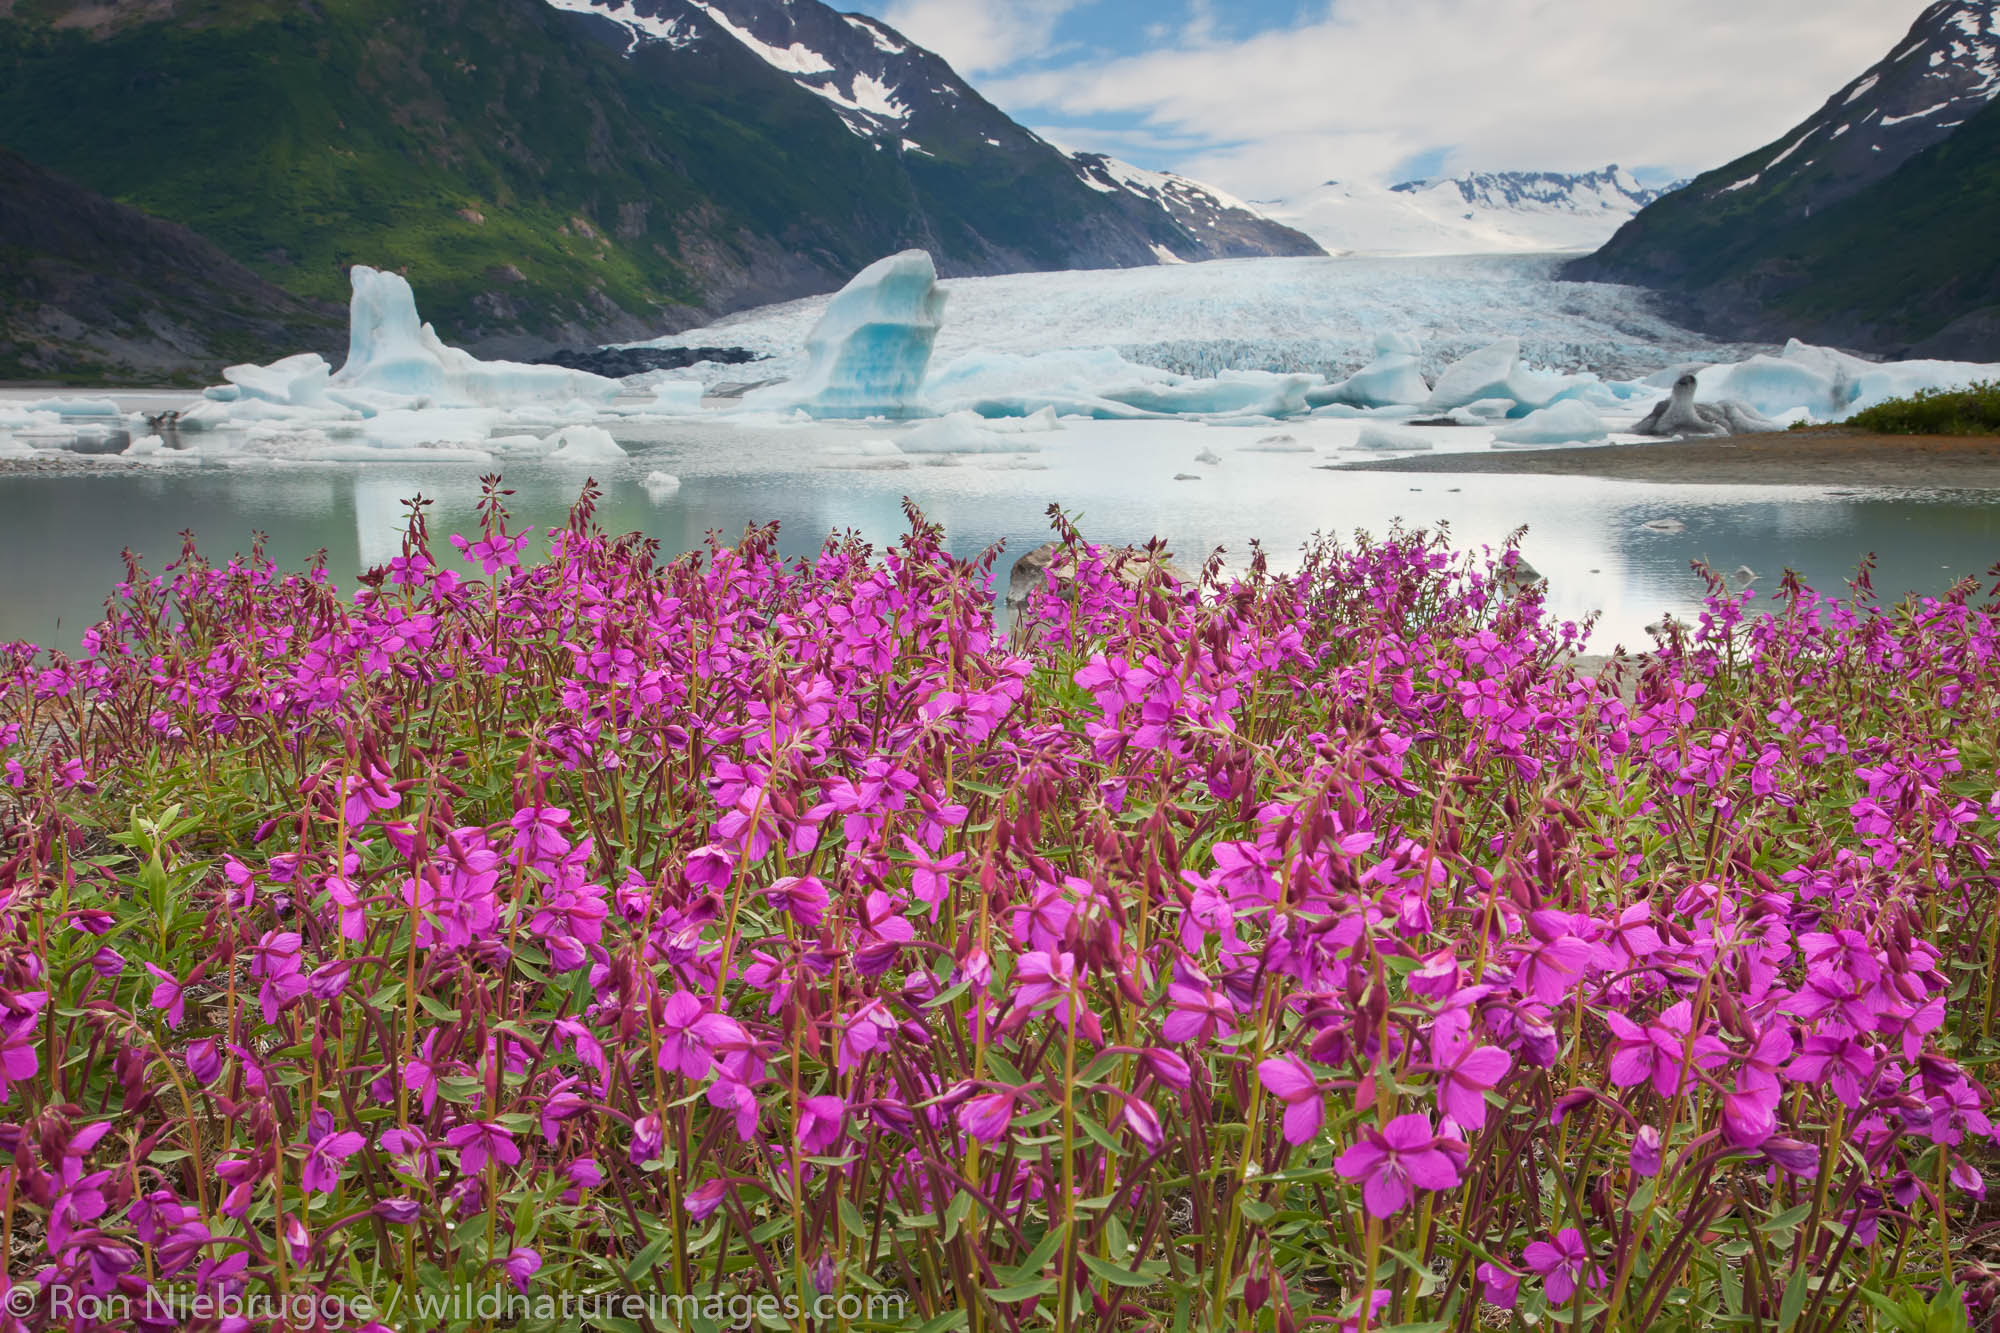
[(1270, 97)]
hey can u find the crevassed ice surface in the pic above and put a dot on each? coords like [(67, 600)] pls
[(1315, 315)]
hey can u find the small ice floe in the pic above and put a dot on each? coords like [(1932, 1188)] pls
[(1666, 525), (585, 444), (1208, 456), (1278, 444), (1378, 438), (1186, 476), (661, 485)]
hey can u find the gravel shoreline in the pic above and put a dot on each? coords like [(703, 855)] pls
[(1828, 456)]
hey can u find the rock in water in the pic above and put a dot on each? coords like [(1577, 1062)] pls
[(868, 354), (1682, 415)]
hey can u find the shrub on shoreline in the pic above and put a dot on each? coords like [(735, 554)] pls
[(1969, 411), (1315, 944)]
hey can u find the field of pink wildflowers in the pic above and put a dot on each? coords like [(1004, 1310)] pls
[(1279, 951)]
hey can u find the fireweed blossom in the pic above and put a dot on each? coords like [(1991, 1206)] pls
[(613, 896)]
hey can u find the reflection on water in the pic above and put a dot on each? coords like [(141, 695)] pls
[(60, 536)]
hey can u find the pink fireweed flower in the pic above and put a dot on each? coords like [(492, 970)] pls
[(495, 553), (690, 1036), (987, 1117), (1498, 1286), (1465, 1073), (1395, 1161), (1288, 1079), (325, 1152), (1656, 1050), (1553, 961), (18, 1061), (820, 1124), (167, 995), (481, 1141), (1564, 1264), (368, 794), (930, 876), (1200, 1013)]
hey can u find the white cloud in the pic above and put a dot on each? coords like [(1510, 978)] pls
[(1494, 84), (978, 35)]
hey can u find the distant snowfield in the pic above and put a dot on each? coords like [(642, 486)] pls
[(1507, 212), (1314, 315)]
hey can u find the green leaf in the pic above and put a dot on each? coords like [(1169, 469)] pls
[(959, 1318), (1022, 1291), (1786, 1221), (1794, 1303), (643, 1262), (1257, 1210), (1120, 1277), (851, 1218), (1038, 1258)]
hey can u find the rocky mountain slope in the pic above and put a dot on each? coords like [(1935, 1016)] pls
[(1871, 224), (555, 172), (1486, 212), (173, 308)]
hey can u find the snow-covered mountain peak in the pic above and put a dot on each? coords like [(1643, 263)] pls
[(1946, 69), (904, 99)]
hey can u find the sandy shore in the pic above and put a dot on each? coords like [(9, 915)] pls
[(1828, 456)]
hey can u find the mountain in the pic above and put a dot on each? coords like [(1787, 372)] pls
[(1869, 225), (555, 172), (173, 308), (1502, 211), (1217, 225)]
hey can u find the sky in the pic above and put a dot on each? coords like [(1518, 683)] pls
[(1267, 98)]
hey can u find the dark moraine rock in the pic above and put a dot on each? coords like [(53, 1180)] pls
[(618, 362)]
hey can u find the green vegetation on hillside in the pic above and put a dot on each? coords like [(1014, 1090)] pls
[(1908, 263), (1973, 411), (525, 173)]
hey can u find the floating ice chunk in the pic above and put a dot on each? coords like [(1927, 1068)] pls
[(1566, 422), (68, 408), (1067, 383), (145, 447), (1487, 373), (1255, 393), (1377, 437), (1209, 457), (392, 352), (585, 444), (869, 448), (1669, 526), (1393, 377), (660, 485), (295, 381), (1497, 372), (25, 418), (868, 354), (412, 427), (1278, 444), (1035, 423), (680, 397), (964, 433), (518, 444)]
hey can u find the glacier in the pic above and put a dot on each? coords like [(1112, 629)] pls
[(1334, 353)]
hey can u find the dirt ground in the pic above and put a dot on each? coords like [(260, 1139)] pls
[(1828, 456)]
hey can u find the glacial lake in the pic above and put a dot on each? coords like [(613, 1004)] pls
[(61, 534)]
